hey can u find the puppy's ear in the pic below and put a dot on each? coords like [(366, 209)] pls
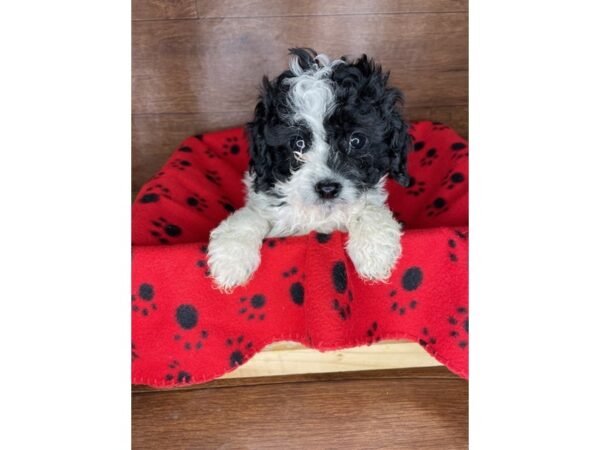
[(399, 140), (260, 158)]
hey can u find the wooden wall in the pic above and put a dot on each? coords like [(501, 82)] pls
[(197, 63)]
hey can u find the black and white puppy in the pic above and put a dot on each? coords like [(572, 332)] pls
[(325, 137)]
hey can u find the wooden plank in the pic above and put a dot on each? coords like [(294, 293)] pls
[(254, 8), (156, 136), (404, 413), (215, 65), (163, 9), (387, 374), (297, 359)]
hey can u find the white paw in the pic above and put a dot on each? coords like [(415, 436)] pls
[(232, 261), (375, 255)]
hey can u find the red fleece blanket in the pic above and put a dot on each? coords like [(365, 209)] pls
[(185, 331)]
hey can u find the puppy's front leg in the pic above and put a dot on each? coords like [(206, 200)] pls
[(374, 242), (234, 248)]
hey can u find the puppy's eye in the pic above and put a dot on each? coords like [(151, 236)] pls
[(357, 141), (297, 144)]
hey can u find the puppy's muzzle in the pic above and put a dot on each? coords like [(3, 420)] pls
[(328, 189)]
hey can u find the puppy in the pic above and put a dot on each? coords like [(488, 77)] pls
[(325, 137)]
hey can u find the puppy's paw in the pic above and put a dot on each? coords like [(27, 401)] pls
[(232, 261), (375, 254)]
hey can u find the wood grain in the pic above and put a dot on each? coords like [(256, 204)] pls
[(253, 8), (214, 65), (402, 413), (163, 9), (156, 136), (387, 374)]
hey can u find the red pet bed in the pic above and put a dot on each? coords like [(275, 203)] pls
[(306, 289)]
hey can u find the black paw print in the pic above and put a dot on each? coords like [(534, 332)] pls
[(213, 176), (415, 187), (436, 207), (231, 146), (226, 204), (200, 137), (197, 202), (237, 356), (147, 304), (426, 339), (154, 192), (165, 228), (323, 238), (187, 317), (339, 278), (418, 146), (372, 334), (180, 164), (452, 179), (185, 149), (464, 235), (429, 157), (272, 242), (252, 308), (180, 375), (201, 263), (451, 254), (401, 308), (134, 355), (297, 287), (459, 151), (460, 327)]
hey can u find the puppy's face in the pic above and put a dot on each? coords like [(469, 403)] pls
[(325, 132)]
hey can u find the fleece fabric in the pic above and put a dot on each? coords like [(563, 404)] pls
[(306, 289)]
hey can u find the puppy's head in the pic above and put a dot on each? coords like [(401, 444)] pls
[(326, 131)]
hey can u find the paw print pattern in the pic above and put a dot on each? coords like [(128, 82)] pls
[(452, 178), (238, 356), (177, 374), (213, 176), (418, 146), (415, 187), (272, 242), (460, 326), (180, 164), (226, 204), (146, 296), (459, 151), (252, 309), (197, 202), (429, 157), (339, 277), (323, 238), (185, 149), (426, 339), (297, 287), (158, 175), (436, 207), (153, 194), (201, 263), (372, 335), (134, 355), (231, 146), (451, 254), (187, 317), (164, 228), (411, 279)]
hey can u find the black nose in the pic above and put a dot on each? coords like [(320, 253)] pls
[(328, 189)]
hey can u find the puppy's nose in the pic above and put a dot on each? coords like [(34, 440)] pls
[(328, 189)]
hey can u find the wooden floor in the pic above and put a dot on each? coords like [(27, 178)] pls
[(196, 67), (412, 409)]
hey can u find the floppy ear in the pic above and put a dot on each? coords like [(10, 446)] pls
[(260, 158), (399, 141), (400, 144)]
